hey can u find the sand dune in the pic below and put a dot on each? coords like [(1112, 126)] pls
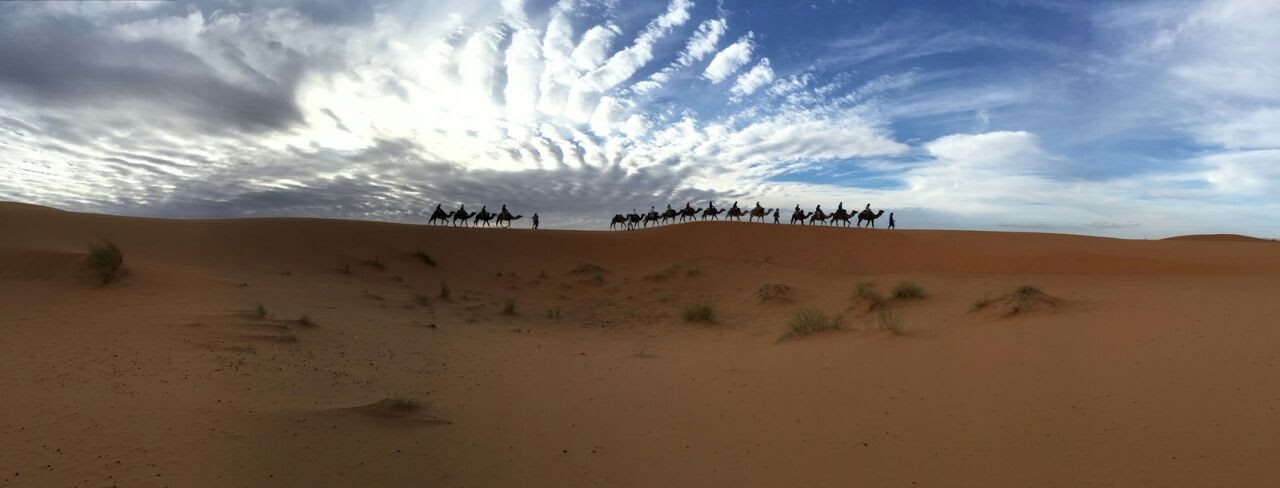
[(561, 358)]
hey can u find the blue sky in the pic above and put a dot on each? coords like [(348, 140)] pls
[(1128, 119)]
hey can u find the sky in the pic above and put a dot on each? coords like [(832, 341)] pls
[(1134, 119)]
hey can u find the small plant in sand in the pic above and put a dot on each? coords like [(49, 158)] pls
[(553, 313), (424, 257), (773, 291), (375, 263), (907, 290), (1024, 298), (981, 303), (105, 259), (422, 300), (598, 278), (700, 312), (892, 322), (509, 307), (401, 404), (809, 321), (260, 311), (306, 321), (866, 292), (444, 291)]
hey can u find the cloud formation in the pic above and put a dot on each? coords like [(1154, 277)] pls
[(584, 108)]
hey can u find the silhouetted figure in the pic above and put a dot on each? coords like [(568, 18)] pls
[(776, 212), (868, 207), (892, 223), (840, 207), (535, 221)]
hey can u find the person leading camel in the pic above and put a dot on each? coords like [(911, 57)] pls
[(776, 211), (891, 222), (535, 221)]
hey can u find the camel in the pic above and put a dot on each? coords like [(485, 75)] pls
[(841, 215), (734, 212), (618, 219), (818, 215), (689, 213), (440, 215), (671, 215), (484, 215), (633, 219), (712, 212), (461, 215), (759, 212), (869, 217), (800, 216), (652, 216), (505, 216)]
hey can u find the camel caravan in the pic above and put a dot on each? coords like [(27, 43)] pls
[(461, 217), (840, 217)]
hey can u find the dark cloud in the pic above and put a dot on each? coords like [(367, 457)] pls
[(60, 62)]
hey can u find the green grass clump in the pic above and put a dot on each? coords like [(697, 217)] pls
[(105, 259), (260, 311), (509, 308), (892, 322), (908, 291), (553, 313), (700, 312), (809, 321), (866, 292)]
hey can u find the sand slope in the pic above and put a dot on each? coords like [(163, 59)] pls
[(1156, 367)]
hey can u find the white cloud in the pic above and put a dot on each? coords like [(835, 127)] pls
[(728, 60), (703, 41), (759, 75), (595, 46)]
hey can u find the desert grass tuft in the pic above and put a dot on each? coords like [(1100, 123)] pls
[(553, 313), (598, 278), (773, 291), (375, 263), (892, 322), (402, 404), (907, 290), (810, 321), (306, 321), (700, 312), (105, 259), (444, 291), (422, 300), (866, 292), (260, 311), (509, 307)]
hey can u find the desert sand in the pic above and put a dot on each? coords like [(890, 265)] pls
[(561, 358)]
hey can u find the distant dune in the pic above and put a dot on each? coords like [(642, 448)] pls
[(313, 352), (1218, 238)]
